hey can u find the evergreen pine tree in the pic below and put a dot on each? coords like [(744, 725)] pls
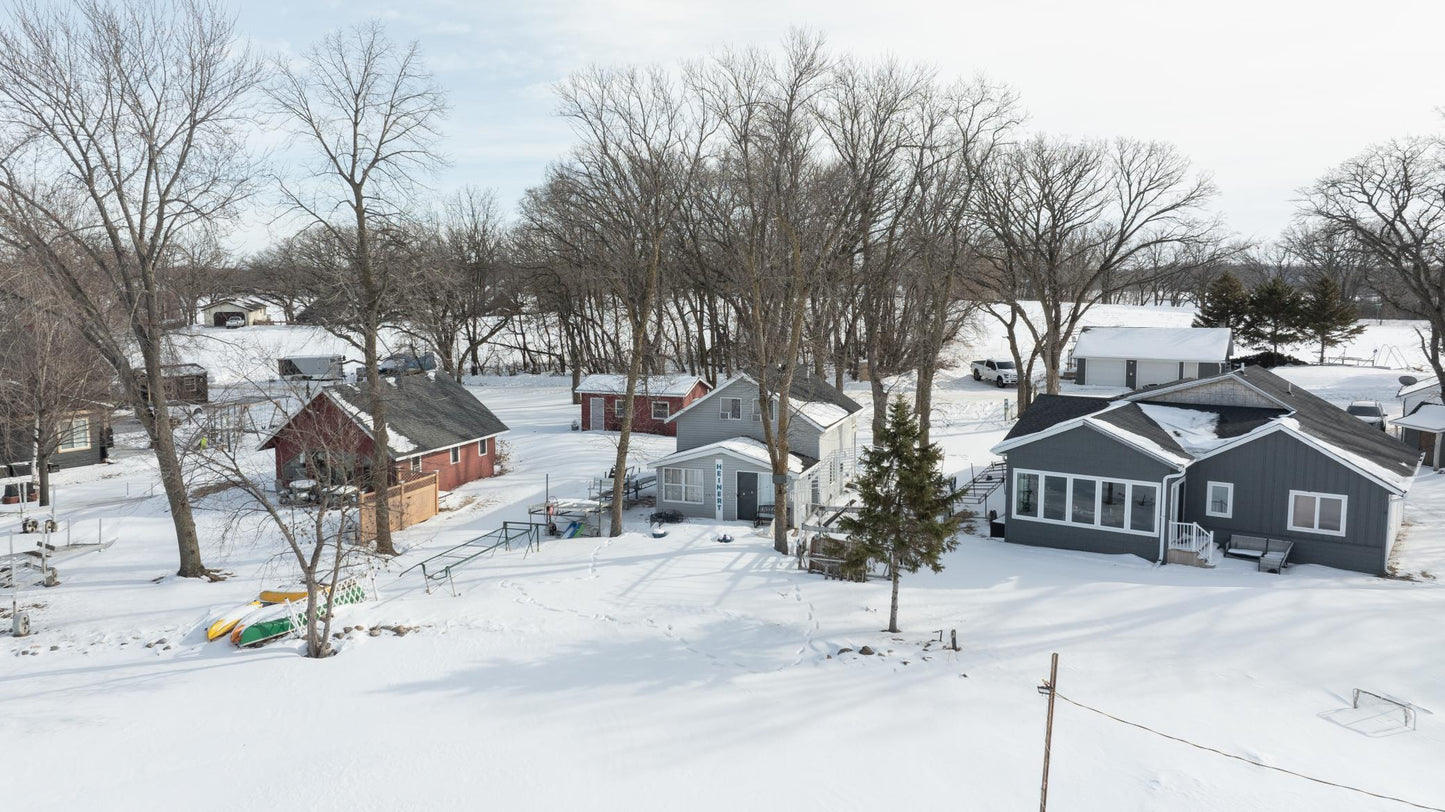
[(1274, 316), (905, 517), (1326, 317), (1225, 303)]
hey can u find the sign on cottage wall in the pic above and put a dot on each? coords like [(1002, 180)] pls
[(718, 507)]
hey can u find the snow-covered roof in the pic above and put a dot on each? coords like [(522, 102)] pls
[(824, 414), (1196, 430), (1180, 432), (667, 386), (1424, 385), (1430, 417), (744, 448), (1155, 343)]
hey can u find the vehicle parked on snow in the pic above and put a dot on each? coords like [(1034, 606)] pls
[(235, 321), (1002, 373), (1369, 411)]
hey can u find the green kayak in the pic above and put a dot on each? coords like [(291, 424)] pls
[(282, 619)]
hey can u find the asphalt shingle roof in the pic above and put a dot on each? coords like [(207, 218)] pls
[(1049, 410), (429, 413)]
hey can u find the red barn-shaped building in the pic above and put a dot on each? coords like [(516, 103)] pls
[(433, 424), (658, 397)]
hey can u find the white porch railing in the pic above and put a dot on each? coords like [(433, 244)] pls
[(1191, 537)]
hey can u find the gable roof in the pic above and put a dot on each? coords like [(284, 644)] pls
[(810, 397), (667, 386), (423, 414), (743, 448), (1161, 343), (1188, 431), (1048, 411)]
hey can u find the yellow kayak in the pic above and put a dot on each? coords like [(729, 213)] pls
[(227, 621), (283, 594)]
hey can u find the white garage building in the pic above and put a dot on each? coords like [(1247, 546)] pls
[(1136, 357)]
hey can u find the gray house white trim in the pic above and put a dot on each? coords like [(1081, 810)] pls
[(1264, 458)]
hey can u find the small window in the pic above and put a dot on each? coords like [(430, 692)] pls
[(1141, 508), (660, 409), (1317, 512), (482, 447), (682, 485), (730, 408), (1113, 503), (757, 411), (1220, 499), (416, 465), (1082, 501), (617, 406), (1026, 494), (456, 455), (1056, 497), (75, 434)]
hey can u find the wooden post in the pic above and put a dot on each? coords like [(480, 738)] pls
[(1048, 688)]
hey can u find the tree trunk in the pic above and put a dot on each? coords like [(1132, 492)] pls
[(893, 605), (380, 454), (172, 478), (923, 398)]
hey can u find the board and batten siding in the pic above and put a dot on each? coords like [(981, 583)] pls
[(702, 424), (1086, 452), (1264, 472)]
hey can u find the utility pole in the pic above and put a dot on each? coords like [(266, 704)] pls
[(1049, 687)]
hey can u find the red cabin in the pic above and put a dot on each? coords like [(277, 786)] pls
[(433, 424), (657, 398)]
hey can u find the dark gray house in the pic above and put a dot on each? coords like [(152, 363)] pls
[(721, 469), (1180, 467), (1137, 357)]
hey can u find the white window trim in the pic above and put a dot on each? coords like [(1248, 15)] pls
[(456, 455), (617, 407), (726, 413), (666, 409), (1098, 495), (757, 411), (1344, 513), (416, 465), (1209, 499), (482, 447), (66, 431), (683, 485)]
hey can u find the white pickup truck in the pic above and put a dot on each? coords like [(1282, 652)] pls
[(1002, 373)]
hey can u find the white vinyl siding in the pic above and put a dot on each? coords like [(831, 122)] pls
[(1083, 501), (75, 435), (682, 485), (1219, 499), (1322, 513)]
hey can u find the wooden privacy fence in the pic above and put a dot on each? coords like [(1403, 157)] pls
[(412, 500)]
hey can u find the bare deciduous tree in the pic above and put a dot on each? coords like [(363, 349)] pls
[(123, 133), (1074, 222), (367, 113), (1391, 200)]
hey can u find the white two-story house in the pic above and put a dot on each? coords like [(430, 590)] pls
[(721, 469)]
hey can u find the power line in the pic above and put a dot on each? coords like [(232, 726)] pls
[(1249, 761)]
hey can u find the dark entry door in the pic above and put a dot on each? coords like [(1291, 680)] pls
[(747, 501), (1426, 443)]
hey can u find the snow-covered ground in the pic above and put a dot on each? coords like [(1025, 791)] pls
[(683, 673)]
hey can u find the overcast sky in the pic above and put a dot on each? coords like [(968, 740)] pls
[(1265, 95)]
